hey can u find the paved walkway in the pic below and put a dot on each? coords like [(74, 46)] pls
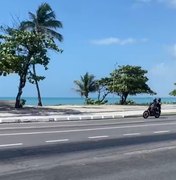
[(72, 112)]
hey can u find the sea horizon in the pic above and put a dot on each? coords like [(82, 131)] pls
[(80, 101)]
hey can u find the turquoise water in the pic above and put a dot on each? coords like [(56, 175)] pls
[(80, 101)]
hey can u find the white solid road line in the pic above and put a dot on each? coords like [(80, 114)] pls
[(8, 145), (132, 134), (97, 137), (67, 125), (83, 130), (58, 140), (160, 132)]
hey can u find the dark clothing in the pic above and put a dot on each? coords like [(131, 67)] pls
[(155, 105), (159, 106)]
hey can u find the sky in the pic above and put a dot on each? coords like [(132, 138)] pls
[(98, 36)]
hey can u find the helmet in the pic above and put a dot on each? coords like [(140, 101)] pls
[(155, 100)]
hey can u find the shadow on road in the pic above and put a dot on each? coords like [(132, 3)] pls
[(48, 150)]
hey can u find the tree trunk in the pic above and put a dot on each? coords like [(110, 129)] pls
[(22, 83), (20, 91), (101, 99), (86, 99), (37, 86), (123, 98)]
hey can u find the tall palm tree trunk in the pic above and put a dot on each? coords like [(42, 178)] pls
[(42, 22), (37, 86)]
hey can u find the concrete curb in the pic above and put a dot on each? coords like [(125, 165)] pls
[(58, 118)]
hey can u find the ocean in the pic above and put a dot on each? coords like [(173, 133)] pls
[(80, 101)]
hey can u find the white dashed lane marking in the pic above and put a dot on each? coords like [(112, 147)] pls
[(132, 134), (160, 132), (97, 137), (57, 140), (8, 145)]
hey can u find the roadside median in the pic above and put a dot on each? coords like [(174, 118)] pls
[(8, 114)]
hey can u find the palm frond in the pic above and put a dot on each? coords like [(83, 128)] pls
[(44, 21), (26, 25), (32, 16), (43, 8), (53, 24), (86, 85), (50, 15), (79, 83), (55, 34)]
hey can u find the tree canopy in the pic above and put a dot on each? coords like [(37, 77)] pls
[(86, 85), (173, 93), (19, 50), (43, 21), (128, 80)]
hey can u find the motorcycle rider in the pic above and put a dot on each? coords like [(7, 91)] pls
[(153, 105), (159, 104), (154, 109)]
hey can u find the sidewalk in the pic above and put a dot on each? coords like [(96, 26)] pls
[(8, 114)]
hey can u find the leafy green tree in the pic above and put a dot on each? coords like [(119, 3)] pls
[(87, 84), (128, 80), (173, 93), (19, 50), (102, 90), (42, 22)]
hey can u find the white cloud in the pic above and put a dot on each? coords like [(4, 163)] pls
[(170, 3), (117, 41), (159, 70)]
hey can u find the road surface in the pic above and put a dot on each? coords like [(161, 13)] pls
[(131, 148)]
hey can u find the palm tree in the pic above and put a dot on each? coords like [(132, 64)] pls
[(86, 85), (44, 22)]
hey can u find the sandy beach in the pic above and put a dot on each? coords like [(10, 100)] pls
[(73, 112)]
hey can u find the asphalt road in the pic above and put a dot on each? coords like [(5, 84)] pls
[(131, 148)]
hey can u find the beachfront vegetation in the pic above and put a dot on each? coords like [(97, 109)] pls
[(42, 22), (100, 86), (86, 85), (102, 91), (27, 45), (123, 81), (19, 50), (173, 93), (129, 80)]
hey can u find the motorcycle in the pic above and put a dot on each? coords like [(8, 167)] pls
[(151, 112)]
